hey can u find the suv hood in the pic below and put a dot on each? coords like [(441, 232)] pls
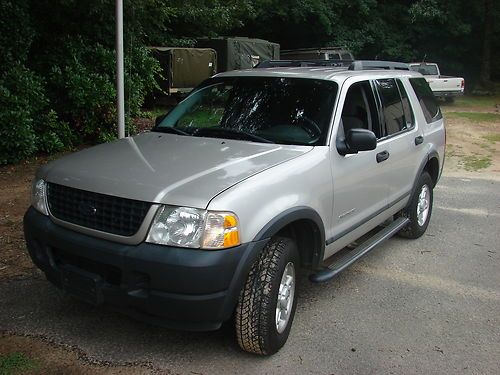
[(167, 168)]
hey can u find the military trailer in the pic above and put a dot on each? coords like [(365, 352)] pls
[(184, 68), (327, 53), (235, 53)]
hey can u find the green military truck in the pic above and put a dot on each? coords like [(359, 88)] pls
[(235, 53), (184, 68)]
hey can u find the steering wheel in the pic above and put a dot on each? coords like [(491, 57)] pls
[(310, 126)]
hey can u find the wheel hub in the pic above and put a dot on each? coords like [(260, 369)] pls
[(423, 206), (286, 294)]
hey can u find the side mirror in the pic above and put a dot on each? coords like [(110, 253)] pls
[(159, 119), (357, 140)]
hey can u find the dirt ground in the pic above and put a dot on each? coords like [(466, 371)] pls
[(472, 145), (473, 149)]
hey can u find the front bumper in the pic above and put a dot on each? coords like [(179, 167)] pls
[(178, 288)]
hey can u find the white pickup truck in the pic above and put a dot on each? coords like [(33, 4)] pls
[(442, 86)]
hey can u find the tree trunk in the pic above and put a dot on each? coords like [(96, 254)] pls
[(485, 74)]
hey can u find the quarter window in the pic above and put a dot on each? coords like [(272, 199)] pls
[(409, 116), (426, 99)]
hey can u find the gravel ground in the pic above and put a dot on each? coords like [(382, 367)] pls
[(428, 306)]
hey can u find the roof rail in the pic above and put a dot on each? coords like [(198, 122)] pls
[(350, 64), (337, 48), (303, 63), (376, 64)]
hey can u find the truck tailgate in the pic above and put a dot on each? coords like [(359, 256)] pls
[(445, 84)]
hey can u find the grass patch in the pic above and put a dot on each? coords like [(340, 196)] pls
[(492, 138), (473, 163), (477, 101), (154, 112), (451, 150), (16, 363), (475, 116)]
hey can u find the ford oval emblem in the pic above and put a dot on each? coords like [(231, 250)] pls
[(87, 208)]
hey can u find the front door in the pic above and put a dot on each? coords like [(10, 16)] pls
[(360, 180)]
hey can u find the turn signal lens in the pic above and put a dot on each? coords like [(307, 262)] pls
[(221, 231), (231, 238)]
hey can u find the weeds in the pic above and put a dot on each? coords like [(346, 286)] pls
[(16, 363)]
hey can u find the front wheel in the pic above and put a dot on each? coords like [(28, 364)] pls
[(419, 209), (267, 302)]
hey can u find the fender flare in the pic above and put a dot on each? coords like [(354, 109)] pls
[(430, 155), (289, 216)]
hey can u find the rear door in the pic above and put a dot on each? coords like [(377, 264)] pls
[(402, 138)]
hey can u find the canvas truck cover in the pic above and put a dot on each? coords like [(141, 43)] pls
[(240, 53), (184, 68)]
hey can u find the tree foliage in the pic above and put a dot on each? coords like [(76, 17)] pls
[(57, 65)]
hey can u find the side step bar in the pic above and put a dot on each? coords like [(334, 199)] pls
[(346, 260)]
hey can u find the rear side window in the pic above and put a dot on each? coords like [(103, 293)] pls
[(392, 106), (426, 99), (409, 116)]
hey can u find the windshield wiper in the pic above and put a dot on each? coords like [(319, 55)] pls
[(231, 134), (169, 130)]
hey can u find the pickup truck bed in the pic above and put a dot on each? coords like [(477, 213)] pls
[(441, 86)]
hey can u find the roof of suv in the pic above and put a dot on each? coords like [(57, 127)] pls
[(327, 73)]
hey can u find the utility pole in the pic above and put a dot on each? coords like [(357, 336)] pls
[(119, 69)]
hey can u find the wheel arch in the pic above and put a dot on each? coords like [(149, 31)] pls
[(430, 165), (305, 226)]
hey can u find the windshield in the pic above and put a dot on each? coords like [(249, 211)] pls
[(426, 70), (259, 109)]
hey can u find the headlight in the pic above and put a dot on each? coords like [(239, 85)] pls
[(39, 196), (194, 228)]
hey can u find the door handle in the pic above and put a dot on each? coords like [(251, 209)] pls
[(381, 156), (419, 140)]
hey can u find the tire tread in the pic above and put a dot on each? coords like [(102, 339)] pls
[(251, 311)]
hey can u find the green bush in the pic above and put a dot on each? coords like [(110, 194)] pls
[(83, 90), (83, 87), (27, 125), (22, 100), (53, 135)]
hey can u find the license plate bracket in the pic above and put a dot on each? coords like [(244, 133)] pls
[(81, 284)]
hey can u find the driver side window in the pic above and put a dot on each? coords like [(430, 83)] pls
[(359, 110)]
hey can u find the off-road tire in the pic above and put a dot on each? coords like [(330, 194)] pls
[(413, 229), (255, 318)]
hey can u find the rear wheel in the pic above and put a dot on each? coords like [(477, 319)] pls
[(419, 209), (267, 302)]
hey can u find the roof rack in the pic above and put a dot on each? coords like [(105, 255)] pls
[(350, 64), (337, 48), (376, 64), (302, 63)]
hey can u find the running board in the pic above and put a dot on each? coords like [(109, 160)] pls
[(346, 260)]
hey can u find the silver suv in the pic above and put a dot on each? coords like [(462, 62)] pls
[(256, 174)]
